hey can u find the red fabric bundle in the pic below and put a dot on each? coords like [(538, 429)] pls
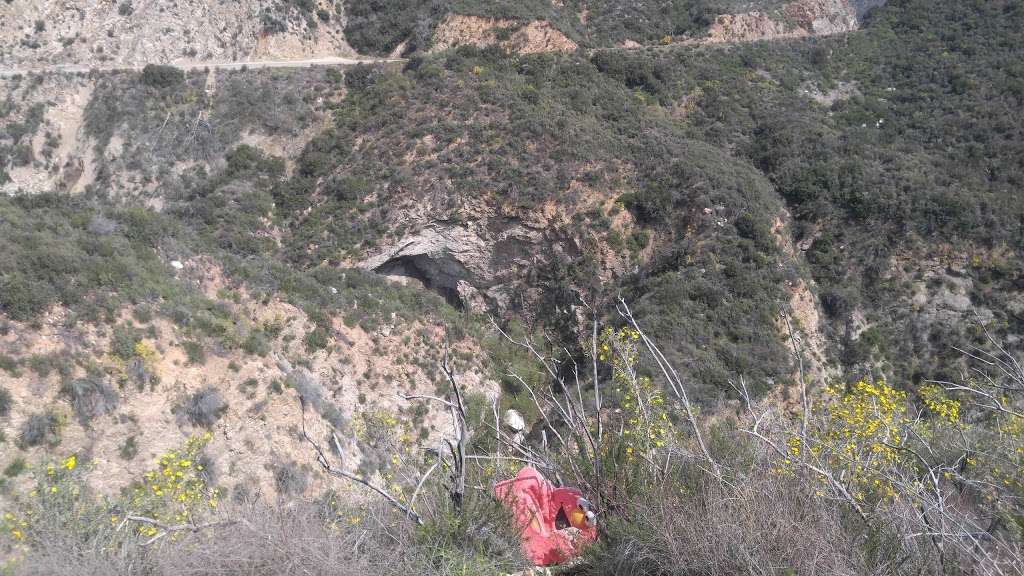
[(555, 522)]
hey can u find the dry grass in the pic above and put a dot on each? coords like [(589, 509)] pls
[(76, 537), (761, 523), (286, 540), (264, 540)]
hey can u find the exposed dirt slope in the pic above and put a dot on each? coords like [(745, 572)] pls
[(798, 19), (54, 125), (537, 36), (36, 33), (353, 383)]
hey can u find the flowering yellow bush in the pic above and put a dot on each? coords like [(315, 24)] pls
[(56, 488), (14, 526), (645, 417), (871, 438), (149, 356), (936, 400), (375, 426), (175, 491), (861, 436), (1008, 472)]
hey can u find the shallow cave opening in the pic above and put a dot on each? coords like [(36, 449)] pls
[(429, 272)]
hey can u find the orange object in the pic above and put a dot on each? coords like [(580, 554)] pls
[(555, 522)]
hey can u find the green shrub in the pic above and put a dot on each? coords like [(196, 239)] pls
[(45, 364), (10, 365), (123, 341), (248, 387), (161, 76), (16, 467), (194, 352), (129, 450), (290, 479), (5, 402), (375, 28), (42, 428), (90, 397), (316, 339), (143, 314), (55, 253), (256, 343), (202, 408), (23, 298)]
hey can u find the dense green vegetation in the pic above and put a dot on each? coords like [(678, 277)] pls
[(279, 16), (703, 147), (518, 132), (164, 117), (914, 142), (94, 261), (20, 123), (894, 170)]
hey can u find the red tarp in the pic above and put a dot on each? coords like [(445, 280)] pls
[(547, 516)]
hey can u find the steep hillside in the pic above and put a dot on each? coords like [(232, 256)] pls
[(120, 342), (36, 34), (540, 25), (810, 207), (522, 184), (123, 133), (674, 174)]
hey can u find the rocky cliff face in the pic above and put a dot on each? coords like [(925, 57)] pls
[(822, 17), (799, 18), (90, 33), (537, 36), (485, 258)]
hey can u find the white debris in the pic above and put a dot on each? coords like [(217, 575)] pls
[(514, 420), (177, 265)]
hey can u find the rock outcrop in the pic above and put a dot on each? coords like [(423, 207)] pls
[(822, 17), (471, 265), (798, 19), (533, 37)]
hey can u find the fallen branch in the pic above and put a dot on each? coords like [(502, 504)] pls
[(165, 529)]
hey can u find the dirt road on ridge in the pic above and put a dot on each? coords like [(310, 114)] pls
[(250, 64)]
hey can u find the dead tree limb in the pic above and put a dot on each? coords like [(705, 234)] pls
[(457, 409), (325, 463), (164, 529), (673, 380), (454, 447)]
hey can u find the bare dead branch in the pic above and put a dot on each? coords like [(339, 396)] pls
[(674, 382), (164, 529), (325, 463)]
